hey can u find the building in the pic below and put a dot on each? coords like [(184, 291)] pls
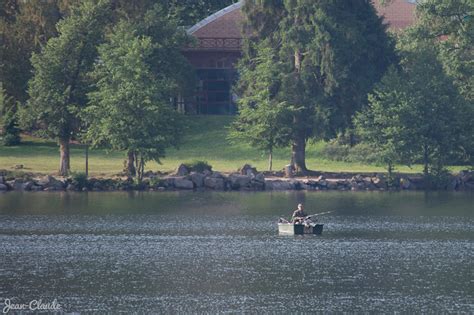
[(219, 44)]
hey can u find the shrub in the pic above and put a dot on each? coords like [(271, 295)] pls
[(362, 153), (335, 151)]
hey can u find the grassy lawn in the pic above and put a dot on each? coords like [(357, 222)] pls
[(205, 139)]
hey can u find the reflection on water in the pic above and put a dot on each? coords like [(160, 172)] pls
[(220, 252)]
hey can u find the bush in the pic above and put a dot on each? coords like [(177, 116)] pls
[(335, 151), (198, 166), (362, 153)]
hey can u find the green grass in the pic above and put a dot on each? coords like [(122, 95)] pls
[(205, 139)]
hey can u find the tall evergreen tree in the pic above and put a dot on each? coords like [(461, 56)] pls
[(331, 54), (58, 88)]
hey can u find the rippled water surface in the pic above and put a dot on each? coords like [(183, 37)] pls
[(221, 252)]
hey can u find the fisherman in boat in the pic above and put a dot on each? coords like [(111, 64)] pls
[(299, 215)]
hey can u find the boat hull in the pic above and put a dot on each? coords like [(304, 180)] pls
[(300, 229)]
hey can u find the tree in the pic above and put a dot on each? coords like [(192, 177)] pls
[(264, 126), (8, 119), (416, 113), (59, 85), (136, 75), (25, 26), (330, 55), (449, 25)]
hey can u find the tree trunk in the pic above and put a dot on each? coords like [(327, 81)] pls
[(131, 170), (425, 161), (87, 160), (270, 160), (298, 154), (64, 163)]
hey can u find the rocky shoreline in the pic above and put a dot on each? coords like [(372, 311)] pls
[(246, 179)]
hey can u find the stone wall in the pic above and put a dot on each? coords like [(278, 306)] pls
[(247, 179)]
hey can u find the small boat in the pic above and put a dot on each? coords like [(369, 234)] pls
[(299, 229)]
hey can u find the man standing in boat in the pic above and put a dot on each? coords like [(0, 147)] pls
[(299, 215)]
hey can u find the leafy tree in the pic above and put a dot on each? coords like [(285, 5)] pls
[(329, 54), (415, 113), (136, 76), (60, 83), (25, 26), (8, 119), (449, 25), (263, 126)]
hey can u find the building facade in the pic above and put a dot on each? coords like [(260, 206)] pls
[(219, 47)]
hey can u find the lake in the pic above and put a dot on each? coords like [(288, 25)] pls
[(212, 252)]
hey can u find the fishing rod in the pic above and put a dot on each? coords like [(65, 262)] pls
[(316, 214)]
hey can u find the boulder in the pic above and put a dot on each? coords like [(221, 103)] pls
[(357, 185), (248, 170), (322, 183), (16, 184), (279, 185), (169, 181), (36, 188), (27, 186), (367, 181), (379, 182), (46, 181), (182, 183), (239, 181), (357, 178), (197, 179), (182, 170), (332, 184), (259, 178), (217, 175), (216, 183), (3, 187), (2, 179), (453, 184), (405, 183)]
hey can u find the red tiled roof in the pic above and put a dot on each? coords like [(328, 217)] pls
[(399, 14), (227, 22)]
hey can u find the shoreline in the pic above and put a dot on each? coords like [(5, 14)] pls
[(246, 179)]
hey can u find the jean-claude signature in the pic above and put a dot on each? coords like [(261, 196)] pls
[(33, 305)]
